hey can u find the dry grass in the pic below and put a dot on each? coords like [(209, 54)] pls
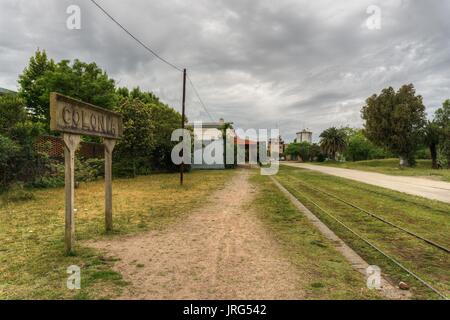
[(32, 260)]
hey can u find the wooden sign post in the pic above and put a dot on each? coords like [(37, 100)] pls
[(75, 118), (109, 146)]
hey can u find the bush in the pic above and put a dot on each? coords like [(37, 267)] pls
[(360, 148), (48, 182), (124, 168), (8, 151), (85, 171), (17, 136), (89, 170), (316, 153), (17, 192), (423, 153)]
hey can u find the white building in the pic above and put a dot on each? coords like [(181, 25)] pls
[(210, 132), (304, 136)]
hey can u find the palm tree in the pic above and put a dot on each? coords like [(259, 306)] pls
[(224, 128), (333, 141), (432, 140)]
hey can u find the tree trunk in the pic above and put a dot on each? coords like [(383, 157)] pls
[(433, 153), (224, 152), (404, 162)]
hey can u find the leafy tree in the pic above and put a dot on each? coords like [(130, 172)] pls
[(305, 151), (394, 121), (138, 140), (17, 141), (8, 152), (293, 150), (30, 90), (164, 121), (442, 120), (359, 148), (146, 144), (431, 139), (84, 81), (12, 111), (136, 93), (333, 141), (316, 153), (302, 150)]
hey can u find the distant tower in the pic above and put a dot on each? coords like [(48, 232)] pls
[(304, 136)]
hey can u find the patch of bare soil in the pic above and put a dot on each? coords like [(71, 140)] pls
[(220, 251)]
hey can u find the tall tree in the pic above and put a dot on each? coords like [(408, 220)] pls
[(137, 93), (293, 150), (138, 140), (30, 90), (146, 144), (85, 81), (333, 141), (163, 120), (442, 119), (395, 121)]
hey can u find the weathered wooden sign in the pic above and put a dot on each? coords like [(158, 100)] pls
[(75, 118)]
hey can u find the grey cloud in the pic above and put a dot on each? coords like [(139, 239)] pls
[(286, 63)]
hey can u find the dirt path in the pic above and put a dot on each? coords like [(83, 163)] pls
[(436, 190), (221, 251)]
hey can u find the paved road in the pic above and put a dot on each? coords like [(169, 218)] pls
[(431, 189)]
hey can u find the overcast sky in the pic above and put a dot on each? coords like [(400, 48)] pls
[(261, 64)]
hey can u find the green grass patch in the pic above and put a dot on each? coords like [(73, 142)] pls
[(32, 260), (427, 218), (326, 274)]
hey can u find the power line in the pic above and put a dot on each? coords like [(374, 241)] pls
[(200, 99), (154, 54), (135, 38)]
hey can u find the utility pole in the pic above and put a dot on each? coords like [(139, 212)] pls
[(182, 125)]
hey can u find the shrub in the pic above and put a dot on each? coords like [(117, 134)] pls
[(360, 148), (85, 171), (8, 151), (423, 153), (17, 192), (124, 168), (17, 135), (89, 170), (51, 174)]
